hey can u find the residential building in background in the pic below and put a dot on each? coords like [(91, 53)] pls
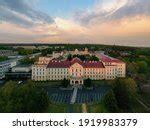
[(8, 53)]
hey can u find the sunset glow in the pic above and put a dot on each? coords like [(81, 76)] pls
[(122, 22)]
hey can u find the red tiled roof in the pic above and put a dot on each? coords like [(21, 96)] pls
[(58, 64), (76, 60), (67, 64), (94, 64), (106, 58)]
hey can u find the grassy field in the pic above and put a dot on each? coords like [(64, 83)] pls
[(97, 108), (64, 108), (57, 108), (77, 108)]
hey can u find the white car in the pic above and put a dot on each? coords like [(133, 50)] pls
[(20, 82)]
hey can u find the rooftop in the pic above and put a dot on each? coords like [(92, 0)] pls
[(23, 66), (106, 58), (67, 64)]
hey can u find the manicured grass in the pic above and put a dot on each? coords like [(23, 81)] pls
[(77, 108), (57, 108), (63, 108), (97, 108)]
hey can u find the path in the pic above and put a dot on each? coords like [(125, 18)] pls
[(74, 96), (143, 104), (84, 108)]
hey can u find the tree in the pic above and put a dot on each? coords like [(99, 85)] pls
[(27, 60), (143, 66), (125, 92), (111, 102), (23, 51), (132, 68), (3, 58), (93, 58), (65, 83), (69, 58), (88, 83), (26, 98)]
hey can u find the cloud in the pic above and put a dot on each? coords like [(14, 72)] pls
[(133, 8), (123, 22), (107, 10), (21, 12)]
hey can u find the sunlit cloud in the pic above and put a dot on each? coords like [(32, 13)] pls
[(123, 22), (20, 12)]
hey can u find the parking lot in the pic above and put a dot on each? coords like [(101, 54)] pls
[(83, 96), (61, 96)]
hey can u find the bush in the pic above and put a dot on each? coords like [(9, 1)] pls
[(88, 83), (64, 83)]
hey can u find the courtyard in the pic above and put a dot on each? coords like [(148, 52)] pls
[(94, 95)]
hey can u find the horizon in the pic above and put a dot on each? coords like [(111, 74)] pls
[(55, 44), (97, 22)]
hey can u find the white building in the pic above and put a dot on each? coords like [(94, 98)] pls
[(77, 71), (22, 68), (5, 67)]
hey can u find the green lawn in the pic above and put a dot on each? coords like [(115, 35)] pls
[(77, 108), (97, 108), (57, 108), (63, 108)]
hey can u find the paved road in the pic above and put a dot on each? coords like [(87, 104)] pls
[(143, 104)]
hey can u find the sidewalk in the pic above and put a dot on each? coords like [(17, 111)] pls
[(74, 95)]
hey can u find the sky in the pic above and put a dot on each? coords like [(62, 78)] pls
[(120, 22)]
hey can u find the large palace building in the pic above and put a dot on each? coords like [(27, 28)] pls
[(77, 71)]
